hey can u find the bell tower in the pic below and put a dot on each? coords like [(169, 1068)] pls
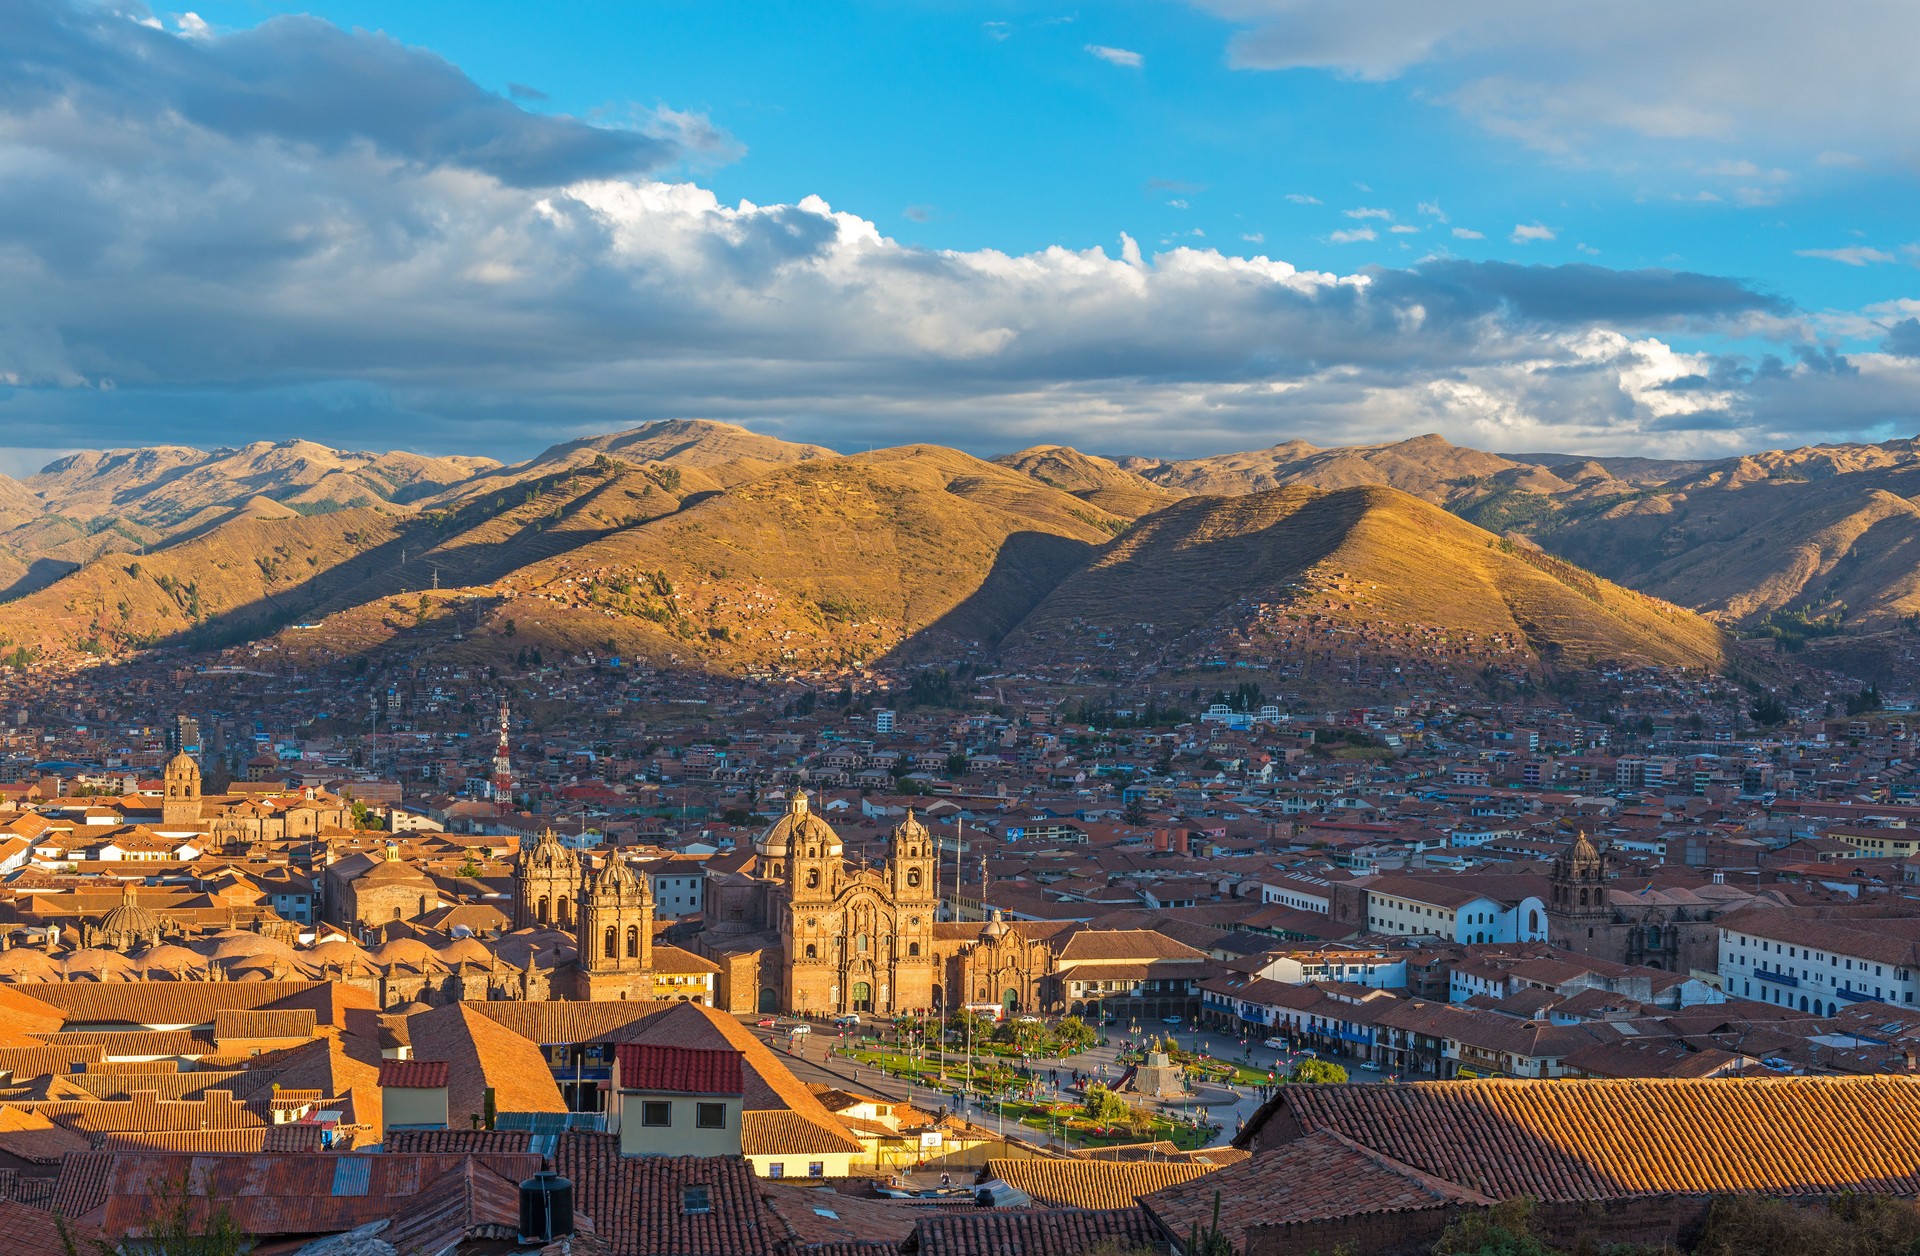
[(546, 886), (910, 882), (816, 854), (1579, 882), (181, 803), (615, 947)]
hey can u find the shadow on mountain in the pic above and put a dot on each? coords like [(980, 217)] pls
[(1029, 566), (40, 573)]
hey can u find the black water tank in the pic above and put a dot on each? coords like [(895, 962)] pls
[(546, 1208)]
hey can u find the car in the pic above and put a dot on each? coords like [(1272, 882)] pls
[(849, 1021), (797, 1028), (1277, 1044), (1370, 1066), (1310, 1051), (766, 1022), (1170, 1020)]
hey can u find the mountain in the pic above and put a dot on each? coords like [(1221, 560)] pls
[(164, 485), (1090, 478), (818, 565), (1426, 466), (1293, 570), (707, 454)]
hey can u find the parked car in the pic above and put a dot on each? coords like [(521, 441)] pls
[(1277, 1044), (1370, 1066), (1170, 1020), (796, 1028), (767, 1022)]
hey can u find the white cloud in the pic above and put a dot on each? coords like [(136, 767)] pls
[(1468, 233), (1854, 255), (1178, 203), (997, 30), (1588, 249), (1117, 56), (1254, 237), (1692, 77), (1301, 198), (1432, 210), (1368, 213), (193, 26), (451, 272), (1354, 236), (1404, 229), (1529, 232)]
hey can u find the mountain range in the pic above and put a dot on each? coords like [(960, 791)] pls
[(716, 546)]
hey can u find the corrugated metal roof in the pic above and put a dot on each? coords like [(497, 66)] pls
[(351, 1175)]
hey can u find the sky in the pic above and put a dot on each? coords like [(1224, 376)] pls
[(1160, 228)]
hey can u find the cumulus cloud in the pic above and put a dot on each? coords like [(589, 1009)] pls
[(391, 254), (1528, 232), (1354, 236), (1117, 56), (1431, 210), (1468, 233), (1563, 78), (1365, 212)]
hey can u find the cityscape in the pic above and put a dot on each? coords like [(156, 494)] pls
[(560, 695)]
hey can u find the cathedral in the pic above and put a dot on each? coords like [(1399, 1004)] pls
[(811, 933), (609, 912)]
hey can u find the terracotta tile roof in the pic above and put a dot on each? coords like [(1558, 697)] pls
[(170, 1002), (1320, 1176), (82, 1186), (184, 1043), (33, 1136), (1599, 1139), (482, 1053), (638, 1203), (23, 1013), (413, 1074), (143, 1113), (680, 1070), (56, 1058), (26, 1231), (1031, 1232), (1125, 944), (883, 1224), (1080, 1183), (194, 1085), (469, 1199), (461, 1142), (235, 1022)]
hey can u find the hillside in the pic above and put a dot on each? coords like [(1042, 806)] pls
[(1091, 479), (1288, 570), (818, 565), (706, 454), (1426, 466)]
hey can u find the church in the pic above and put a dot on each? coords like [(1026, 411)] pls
[(812, 934)]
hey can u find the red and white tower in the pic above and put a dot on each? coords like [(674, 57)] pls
[(503, 767)]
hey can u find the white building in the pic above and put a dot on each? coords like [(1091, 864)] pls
[(1463, 913), (1820, 958)]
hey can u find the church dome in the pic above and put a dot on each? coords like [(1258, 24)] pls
[(128, 925), (798, 830), (997, 928), (240, 944), (910, 828), (24, 963)]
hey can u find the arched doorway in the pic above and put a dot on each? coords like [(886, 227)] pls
[(769, 1001), (862, 997), (1010, 999)]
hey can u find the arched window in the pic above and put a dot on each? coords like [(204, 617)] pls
[(913, 878), (1583, 898), (813, 852), (860, 943), (542, 915), (813, 952), (613, 943), (396, 913), (913, 948), (813, 878), (1533, 922), (566, 912), (633, 941)]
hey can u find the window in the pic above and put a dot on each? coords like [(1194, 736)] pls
[(656, 1113), (813, 879), (613, 943), (694, 1200), (776, 1169), (710, 1116), (913, 948), (816, 1168), (633, 941), (813, 952), (913, 877)]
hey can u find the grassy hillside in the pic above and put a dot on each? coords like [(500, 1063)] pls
[(1092, 479), (1372, 561)]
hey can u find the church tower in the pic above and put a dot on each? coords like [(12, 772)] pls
[(817, 856), (615, 946), (910, 869), (181, 804), (546, 885), (1579, 881)]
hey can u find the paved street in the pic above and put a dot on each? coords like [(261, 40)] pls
[(809, 1058)]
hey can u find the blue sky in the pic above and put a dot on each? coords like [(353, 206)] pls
[(481, 226)]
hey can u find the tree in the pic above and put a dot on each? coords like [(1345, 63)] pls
[(1769, 711), (1506, 1229), (179, 1223), (1316, 1072), (1135, 812), (1074, 1034), (1105, 1106)]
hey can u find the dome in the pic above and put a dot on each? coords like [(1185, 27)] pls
[(997, 928), (127, 925), (464, 951), (410, 951), (170, 958), (103, 965), (910, 828), (25, 962), (796, 830), (182, 764), (336, 951), (240, 944)]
